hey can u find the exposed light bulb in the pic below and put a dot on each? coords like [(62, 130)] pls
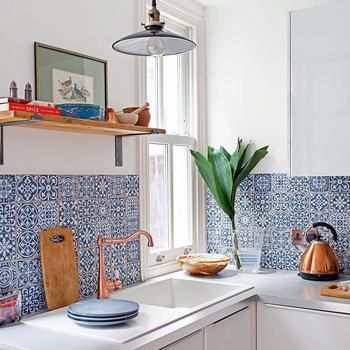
[(155, 47)]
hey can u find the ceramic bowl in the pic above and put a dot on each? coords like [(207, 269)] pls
[(127, 118), (82, 111), (144, 116), (203, 264)]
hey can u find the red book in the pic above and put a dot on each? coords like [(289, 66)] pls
[(6, 107), (24, 101)]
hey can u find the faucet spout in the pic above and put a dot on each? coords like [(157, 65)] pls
[(104, 286)]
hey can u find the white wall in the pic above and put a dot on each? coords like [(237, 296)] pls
[(86, 26), (247, 75)]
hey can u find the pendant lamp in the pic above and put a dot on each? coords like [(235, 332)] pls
[(154, 40)]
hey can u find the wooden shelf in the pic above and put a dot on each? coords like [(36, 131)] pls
[(76, 125)]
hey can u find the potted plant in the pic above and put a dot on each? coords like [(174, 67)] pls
[(223, 173)]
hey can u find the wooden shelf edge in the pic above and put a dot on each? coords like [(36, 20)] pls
[(76, 125)]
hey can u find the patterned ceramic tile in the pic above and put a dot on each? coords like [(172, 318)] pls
[(132, 185), (7, 188), (27, 216), (319, 184), (86, 187), (47, 188), (102, 186), (7, 218), (7, 246), (27, 188), (48, 214), (88, 283), (247, 184), (87, 260), (340, 202), (8, 277), (27, 244), (29, 272), (340, 183), (86, 211), (68, 187), (133, 273), (68, 211), (263, 182), (89, 205), (281, 203), (133, 250), (118, 186)]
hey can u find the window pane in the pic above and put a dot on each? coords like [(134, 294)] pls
[(158, 195), (171, 95), (152, 90), (182, 196)]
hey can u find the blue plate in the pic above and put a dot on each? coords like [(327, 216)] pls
[(98, 324), (101, 319), (103, 308)]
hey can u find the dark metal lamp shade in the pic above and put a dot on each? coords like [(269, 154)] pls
[(150, 43), (154, 40)]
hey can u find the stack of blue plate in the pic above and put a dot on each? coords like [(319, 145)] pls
[(102, 312)]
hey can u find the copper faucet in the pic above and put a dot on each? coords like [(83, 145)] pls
[(104, 286)]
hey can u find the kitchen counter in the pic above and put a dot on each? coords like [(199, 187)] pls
[(278, 287)]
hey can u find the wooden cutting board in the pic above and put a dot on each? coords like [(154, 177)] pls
[(59, 267), (332, 290)]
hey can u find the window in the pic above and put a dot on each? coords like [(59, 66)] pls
[(169, 201)]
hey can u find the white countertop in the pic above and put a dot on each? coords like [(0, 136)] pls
[(281, 287)]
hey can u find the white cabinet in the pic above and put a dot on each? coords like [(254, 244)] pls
[(191, 342), (232, 332), (237, 331), (290, 328)]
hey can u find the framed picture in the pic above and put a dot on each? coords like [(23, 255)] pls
[(63, 76)]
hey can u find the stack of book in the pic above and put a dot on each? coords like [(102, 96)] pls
[(9, 104)]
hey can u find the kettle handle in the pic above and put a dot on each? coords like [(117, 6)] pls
[(330, 228)]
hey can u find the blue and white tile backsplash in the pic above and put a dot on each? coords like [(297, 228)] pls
[(89, 205), (279, 203)]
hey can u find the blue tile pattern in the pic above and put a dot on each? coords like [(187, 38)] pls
[(89, 205), (279, 203)]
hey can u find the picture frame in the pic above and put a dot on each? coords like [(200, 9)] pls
[(63, 76)]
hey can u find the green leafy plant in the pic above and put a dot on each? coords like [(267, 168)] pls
[(223, 173)]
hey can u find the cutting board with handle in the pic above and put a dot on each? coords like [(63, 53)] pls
[(60, 275), (333, 290)]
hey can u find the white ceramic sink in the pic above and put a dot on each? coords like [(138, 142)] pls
[(177, 293), (162, 302)]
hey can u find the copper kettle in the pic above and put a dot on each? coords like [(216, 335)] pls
[(318, 262)]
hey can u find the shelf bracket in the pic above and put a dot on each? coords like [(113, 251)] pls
[(119, 146), (34, 119), (119, 151)]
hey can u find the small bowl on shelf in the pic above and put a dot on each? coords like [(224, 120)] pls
[(203, 264), (127, 118)]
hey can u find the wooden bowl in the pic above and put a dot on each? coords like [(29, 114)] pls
[(203, 264)]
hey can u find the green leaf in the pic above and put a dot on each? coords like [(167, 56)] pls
[(235, 155), (225, 153), (222, 174), (206, 171), (241, 157), (252, 163)]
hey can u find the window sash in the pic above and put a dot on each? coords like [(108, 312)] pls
[(171, 141)]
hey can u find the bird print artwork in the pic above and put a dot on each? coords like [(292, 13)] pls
[(71, 87)]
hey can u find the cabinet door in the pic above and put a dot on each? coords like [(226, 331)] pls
[(233, 332), (288, 328), (191, 342)]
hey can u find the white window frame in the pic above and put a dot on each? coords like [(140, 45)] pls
[(198, 129)]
